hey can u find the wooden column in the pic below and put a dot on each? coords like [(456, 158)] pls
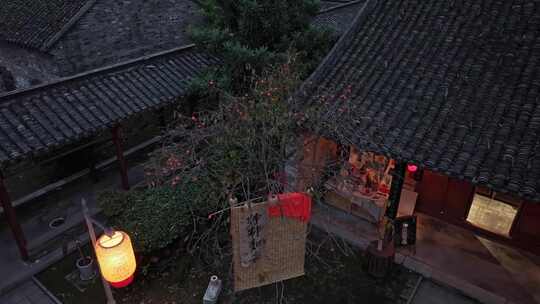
[(162, 119), (398, 180), (117, 139), (91, 159), (11, 217)]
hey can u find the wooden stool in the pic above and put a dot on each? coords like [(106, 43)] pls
[(379, 263)]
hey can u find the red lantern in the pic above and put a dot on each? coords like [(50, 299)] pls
[(116, 258), (123, 283)]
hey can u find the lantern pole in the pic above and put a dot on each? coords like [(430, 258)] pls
[(92, 233)]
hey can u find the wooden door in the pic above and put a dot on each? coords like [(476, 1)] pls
[(432, 191), (528, 225), (458, 200), (444, 197)]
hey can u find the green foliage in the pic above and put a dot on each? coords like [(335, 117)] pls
[(155, 217), (211, 38), (245, 64), (260, 23), (112, 203), (240, 148), (253, 35), (312, 46), (208, 84)]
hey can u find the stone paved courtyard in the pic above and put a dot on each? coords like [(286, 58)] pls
[(27, 293), (484, 270)]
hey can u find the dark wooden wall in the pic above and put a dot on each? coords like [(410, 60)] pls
[(449, 199), (527, 228), (444, 197)]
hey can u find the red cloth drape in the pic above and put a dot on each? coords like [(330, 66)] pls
[(293, 205)]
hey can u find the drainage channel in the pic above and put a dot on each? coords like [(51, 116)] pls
[(415, 289), (47, 293), (428, 291)]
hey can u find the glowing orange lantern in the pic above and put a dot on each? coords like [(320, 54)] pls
[(412, 168), (116, 258)]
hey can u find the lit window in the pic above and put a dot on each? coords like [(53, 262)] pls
[(492, 213)]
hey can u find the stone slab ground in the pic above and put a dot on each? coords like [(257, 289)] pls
[(29, 292), (451, 256)]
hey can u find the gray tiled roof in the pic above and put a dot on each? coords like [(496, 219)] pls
[(451, 85), (38, 23), (45, 117)]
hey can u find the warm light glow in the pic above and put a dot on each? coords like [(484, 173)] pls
[(412, 168), (492, 215), (116, 258)]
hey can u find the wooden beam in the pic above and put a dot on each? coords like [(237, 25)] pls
[(90, 144), (11, 217), (117, 140)]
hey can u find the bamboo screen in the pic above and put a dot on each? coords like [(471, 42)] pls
[(282, 255)]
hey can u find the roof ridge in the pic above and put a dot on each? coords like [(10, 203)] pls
[(82, 11), (9, 95), (368, 4), (340, 5)]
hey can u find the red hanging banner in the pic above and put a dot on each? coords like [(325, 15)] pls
[(292, 205)]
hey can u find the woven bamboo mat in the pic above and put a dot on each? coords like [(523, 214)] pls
[(283, 253)]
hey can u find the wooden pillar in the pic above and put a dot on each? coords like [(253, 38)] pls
[(117, 140), (91, 160), (11, 217), (398, 180), (162, 119)]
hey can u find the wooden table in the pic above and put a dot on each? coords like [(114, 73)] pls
[(368, 207)]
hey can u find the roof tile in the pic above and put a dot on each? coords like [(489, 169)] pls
[(451, 85), (47, 116), (38, 23)]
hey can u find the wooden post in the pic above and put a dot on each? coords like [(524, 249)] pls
[(162, 119), (395, 190), (92, 233), (11, 217), (91, 159), (117, 139)]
